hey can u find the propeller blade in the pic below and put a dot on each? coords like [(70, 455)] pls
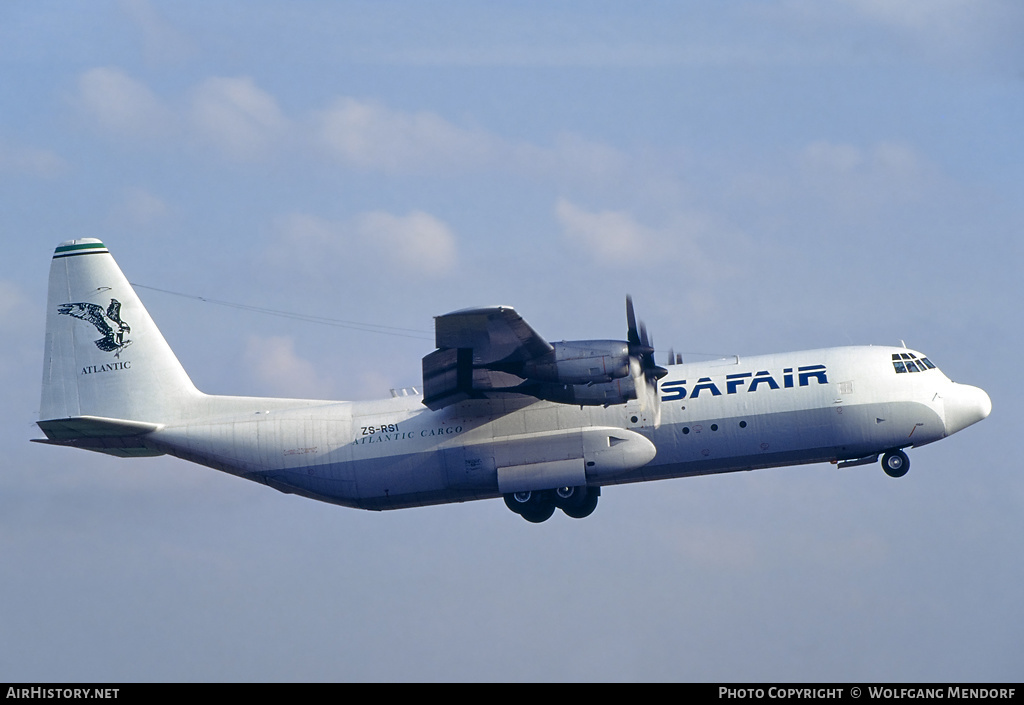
[(631, 335), (640, 343), (641, 349)]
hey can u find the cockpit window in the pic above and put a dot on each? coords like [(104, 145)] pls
[(909, 362)]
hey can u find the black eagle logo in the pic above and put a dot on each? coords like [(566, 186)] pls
[(108, 323)]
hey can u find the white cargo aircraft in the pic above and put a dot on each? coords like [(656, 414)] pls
[(503, 412)]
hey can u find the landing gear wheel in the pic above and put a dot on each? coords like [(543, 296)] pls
[(535, 507), (582, 503), (515, 501), (895, 463), (570, 496)]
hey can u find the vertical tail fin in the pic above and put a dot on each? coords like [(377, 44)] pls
[(104, 355)]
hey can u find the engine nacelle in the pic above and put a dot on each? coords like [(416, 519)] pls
[(618, 391), (580, 362)]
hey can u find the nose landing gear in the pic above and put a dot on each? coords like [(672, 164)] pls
[(895, 463)]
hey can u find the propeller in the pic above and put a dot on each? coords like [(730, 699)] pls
[(641, 347)]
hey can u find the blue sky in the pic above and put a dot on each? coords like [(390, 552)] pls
[(760, 176)]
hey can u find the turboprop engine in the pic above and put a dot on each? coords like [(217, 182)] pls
[(617, 391), (580, 362), (490, 351), (597, 372)]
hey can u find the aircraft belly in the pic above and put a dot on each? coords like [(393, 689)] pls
[(487, 467), (392, 482)]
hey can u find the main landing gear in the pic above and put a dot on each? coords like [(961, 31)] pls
[(539, 505), (895, 463)]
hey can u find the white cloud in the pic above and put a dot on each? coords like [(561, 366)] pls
[(120, 103), (700, 241), (369, 135), (570, 157), (161, 41), (831, 157), (309, 230), (275, 365), (21, 328), (417, 243), (139, 209), (861, 176), (896, 158), (243, 121), (956, 33), (611, 237), (30, 161), (916, 15), (12, 304), (236, 115), (841, 158)]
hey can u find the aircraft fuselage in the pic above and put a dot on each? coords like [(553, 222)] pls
[(742, 413)]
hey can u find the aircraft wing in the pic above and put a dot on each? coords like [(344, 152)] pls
[(479, 351), (496, 334)]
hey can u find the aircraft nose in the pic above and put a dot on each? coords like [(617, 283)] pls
[(965, 405)]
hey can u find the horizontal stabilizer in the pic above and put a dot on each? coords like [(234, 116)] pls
[(111, 436)]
